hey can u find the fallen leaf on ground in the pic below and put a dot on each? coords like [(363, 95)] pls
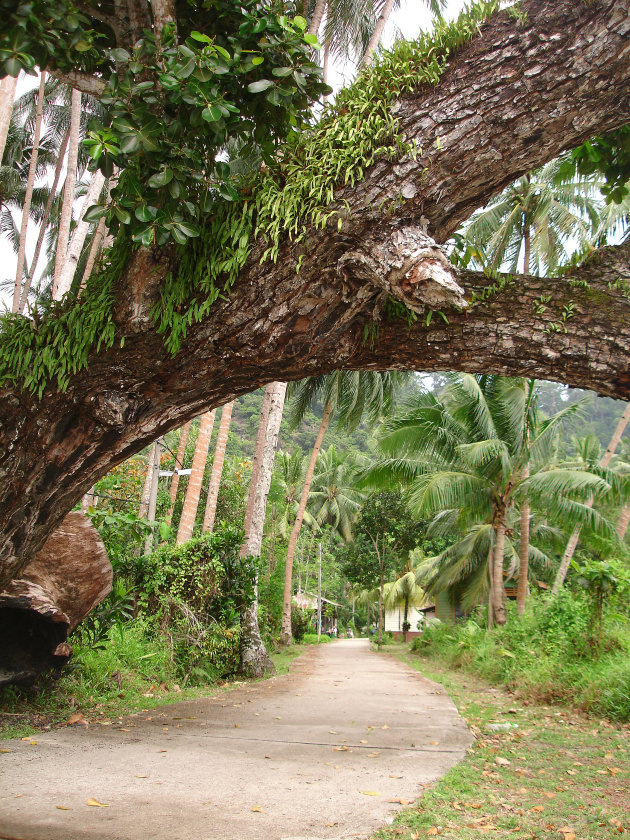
[(258, 809), (613, 770), (372, 755), (384, 726), (369, 792), (333, 732), (399, 801), (62, 808), (503, 762), (567, 833), (538, 808), (432, 831), (94, 803), (140, 776), (549, 795), (340, 749), (76, 719), (5, 751), (394, 776)]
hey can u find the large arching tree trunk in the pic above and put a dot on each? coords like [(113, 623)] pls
[(510, 99)]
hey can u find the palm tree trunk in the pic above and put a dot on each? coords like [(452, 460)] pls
[(155, 478), (527, 238), (66, 275), (145, 498), (491, 590), (523, 566), (98, 240), (498, 604), (217, 467), (376, 35), (316, 20), (258, 448), (624, 521), (7, 95), (381, 586), (405, 614), (254, 659), (44, 222), (575, 536), (68, 190), (179, 463), (285, 633), (193, 491), (28, 196)]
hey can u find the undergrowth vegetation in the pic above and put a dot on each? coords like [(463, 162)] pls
[(552, 654)]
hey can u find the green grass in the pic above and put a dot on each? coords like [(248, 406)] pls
[(557, 775), (134, 671)]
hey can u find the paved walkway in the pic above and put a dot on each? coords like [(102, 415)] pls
[(317, 753)]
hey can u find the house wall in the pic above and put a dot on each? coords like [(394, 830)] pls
[(394, 620)]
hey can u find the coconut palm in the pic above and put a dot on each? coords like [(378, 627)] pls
[(462, 459), (537, 221), (348, 396), (334, 499), (405, 591)]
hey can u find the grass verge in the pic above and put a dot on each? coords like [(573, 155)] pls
[(545, 774), (108, 685)]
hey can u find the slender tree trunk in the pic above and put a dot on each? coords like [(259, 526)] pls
[(498, 604), (377, 34), (28, 196), (217, 467), (255, 661), (145, 498), (258, 448), (491, 590), (155, 480), (45, 219), (316, 20), (624, 521), (285, 634), (179, 463), (68, 190), (405, 614), (193, 491), (7, 95), (523, 566), (381, 586), (100, 238), (575, 536), (66, 275)]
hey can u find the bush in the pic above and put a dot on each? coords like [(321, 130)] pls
[(548, 654), (311, 639), (300, 622)]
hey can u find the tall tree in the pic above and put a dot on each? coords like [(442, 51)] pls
[(348, 395), (254, 659), (8, 86), (463, 458), (217, 467), (575, 536), (179, 463), (30, 183), (193, 490), (65, 219)]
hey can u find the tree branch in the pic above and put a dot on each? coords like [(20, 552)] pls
[(91, 85), (513, 98)]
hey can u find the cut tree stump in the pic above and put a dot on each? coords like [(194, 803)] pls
[(68, 578)]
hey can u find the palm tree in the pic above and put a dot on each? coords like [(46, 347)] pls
[(349, 395), (254, 659), (405, 591), (604, 461), (7, 94), (463, 459), (68, 193), (334, 499), (193, 491), (179, 463), (536, 220), (217, 467)]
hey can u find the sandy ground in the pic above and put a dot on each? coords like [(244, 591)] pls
[(317, 753)]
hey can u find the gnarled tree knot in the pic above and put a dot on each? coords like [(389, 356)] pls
[(410, 266)]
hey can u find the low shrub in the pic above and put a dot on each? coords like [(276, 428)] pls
[(548, 654), (311, 639)]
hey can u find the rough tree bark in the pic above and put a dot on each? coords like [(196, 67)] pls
[(179, 464), (8, 86), (511, 99)]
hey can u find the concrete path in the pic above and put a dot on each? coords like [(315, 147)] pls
[(317, 753)]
